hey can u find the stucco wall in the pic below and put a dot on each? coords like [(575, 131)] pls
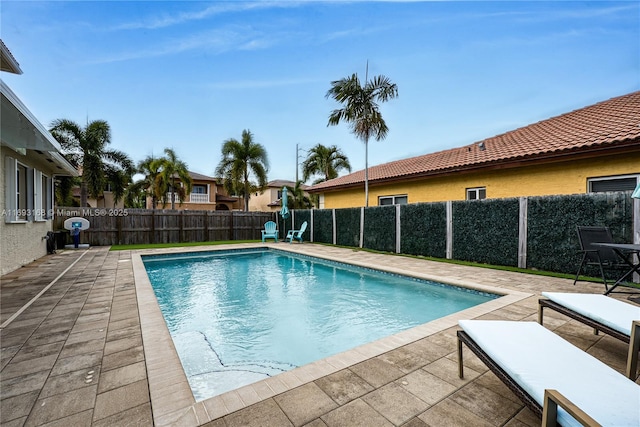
[(22, 243), (552, 179), (260, 203)]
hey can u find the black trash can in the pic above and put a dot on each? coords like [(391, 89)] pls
[(61, 239)]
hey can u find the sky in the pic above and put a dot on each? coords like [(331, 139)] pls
[(189, 75)]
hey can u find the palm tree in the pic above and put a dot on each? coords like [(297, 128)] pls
[(64, 190), (87, 147), (118, 181), (240, 160), (150, 168), (136, 195), (325, 161), (361, 110), (173, 176), (297, 198)]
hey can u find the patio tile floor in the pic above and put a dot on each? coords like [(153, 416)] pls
[(92, 351)]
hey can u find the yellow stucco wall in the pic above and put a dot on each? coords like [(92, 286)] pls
[(542, 180)]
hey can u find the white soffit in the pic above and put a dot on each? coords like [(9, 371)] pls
[(19, 129)]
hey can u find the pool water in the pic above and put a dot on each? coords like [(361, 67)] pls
[(239, 317)]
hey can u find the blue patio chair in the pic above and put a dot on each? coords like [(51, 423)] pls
[(296, 234), (270, 231)]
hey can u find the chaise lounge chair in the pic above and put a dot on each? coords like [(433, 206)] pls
[(296, 234), (542, 368), (611, 316), (270, 231)]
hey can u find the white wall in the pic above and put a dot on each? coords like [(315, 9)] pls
[(20, 243)]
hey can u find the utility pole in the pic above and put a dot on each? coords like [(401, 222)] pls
[(297, 158)]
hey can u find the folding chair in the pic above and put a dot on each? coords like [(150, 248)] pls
[(604, 258)]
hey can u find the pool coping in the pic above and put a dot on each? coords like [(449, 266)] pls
[(172, 400)]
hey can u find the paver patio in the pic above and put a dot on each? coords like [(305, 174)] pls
[(91, 351)]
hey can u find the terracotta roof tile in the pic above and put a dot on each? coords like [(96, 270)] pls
[(608, 123)]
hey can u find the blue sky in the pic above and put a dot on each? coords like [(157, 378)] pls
[(190, 74)]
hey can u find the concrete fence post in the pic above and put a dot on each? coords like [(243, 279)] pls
[(522, 232), (449, 248)]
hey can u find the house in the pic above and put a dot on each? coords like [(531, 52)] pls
[(105, 200), (31, 159), (269, 200), (592, 149), (207, 193)]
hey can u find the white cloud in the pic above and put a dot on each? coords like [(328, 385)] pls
[(217, 8)]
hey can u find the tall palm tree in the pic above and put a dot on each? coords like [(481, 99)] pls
[(240, 161), (324, 161), (173, 176), (361, 110), (88, 147), (150, 167)]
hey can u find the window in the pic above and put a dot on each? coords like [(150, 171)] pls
[(392, 200), (21, 189), (614, 183), (16, 186), (42, 196), (199, 189), (477, 193), (28, 193)]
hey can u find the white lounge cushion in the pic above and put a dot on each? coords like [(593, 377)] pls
[(538, 359), (616, 314)]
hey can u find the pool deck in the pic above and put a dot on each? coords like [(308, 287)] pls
[(91, 349)]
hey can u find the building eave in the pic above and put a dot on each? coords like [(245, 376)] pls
[(7, 62), (20, 130)]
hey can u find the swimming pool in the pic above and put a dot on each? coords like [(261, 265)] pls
[(239, 316)]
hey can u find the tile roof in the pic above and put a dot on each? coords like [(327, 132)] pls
[(277, 183), (200, 177), (608, 124)]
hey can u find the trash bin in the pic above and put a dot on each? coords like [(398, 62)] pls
[(61, 239)]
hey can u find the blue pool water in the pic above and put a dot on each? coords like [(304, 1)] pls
[(240, 316)]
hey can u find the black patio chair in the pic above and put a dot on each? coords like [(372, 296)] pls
[(604, 258)]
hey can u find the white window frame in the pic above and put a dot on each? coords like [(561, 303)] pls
[(590, 181), (38, 197), (205, 186), (476, 191), (42, 196), (10, 194), (393, 199), (14, 212)]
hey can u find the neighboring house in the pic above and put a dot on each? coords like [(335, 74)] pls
[(593, 149), (105, 200), (206, 194), (269, 200), (30, 158)]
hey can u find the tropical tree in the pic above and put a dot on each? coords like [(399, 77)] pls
[(324, 161), (64, 190), (241, 161), (136, 195), (150, 167), (173, 177), (297, 198), (361, 110), (88, 148)]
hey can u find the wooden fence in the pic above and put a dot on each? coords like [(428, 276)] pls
[(144, 226)]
